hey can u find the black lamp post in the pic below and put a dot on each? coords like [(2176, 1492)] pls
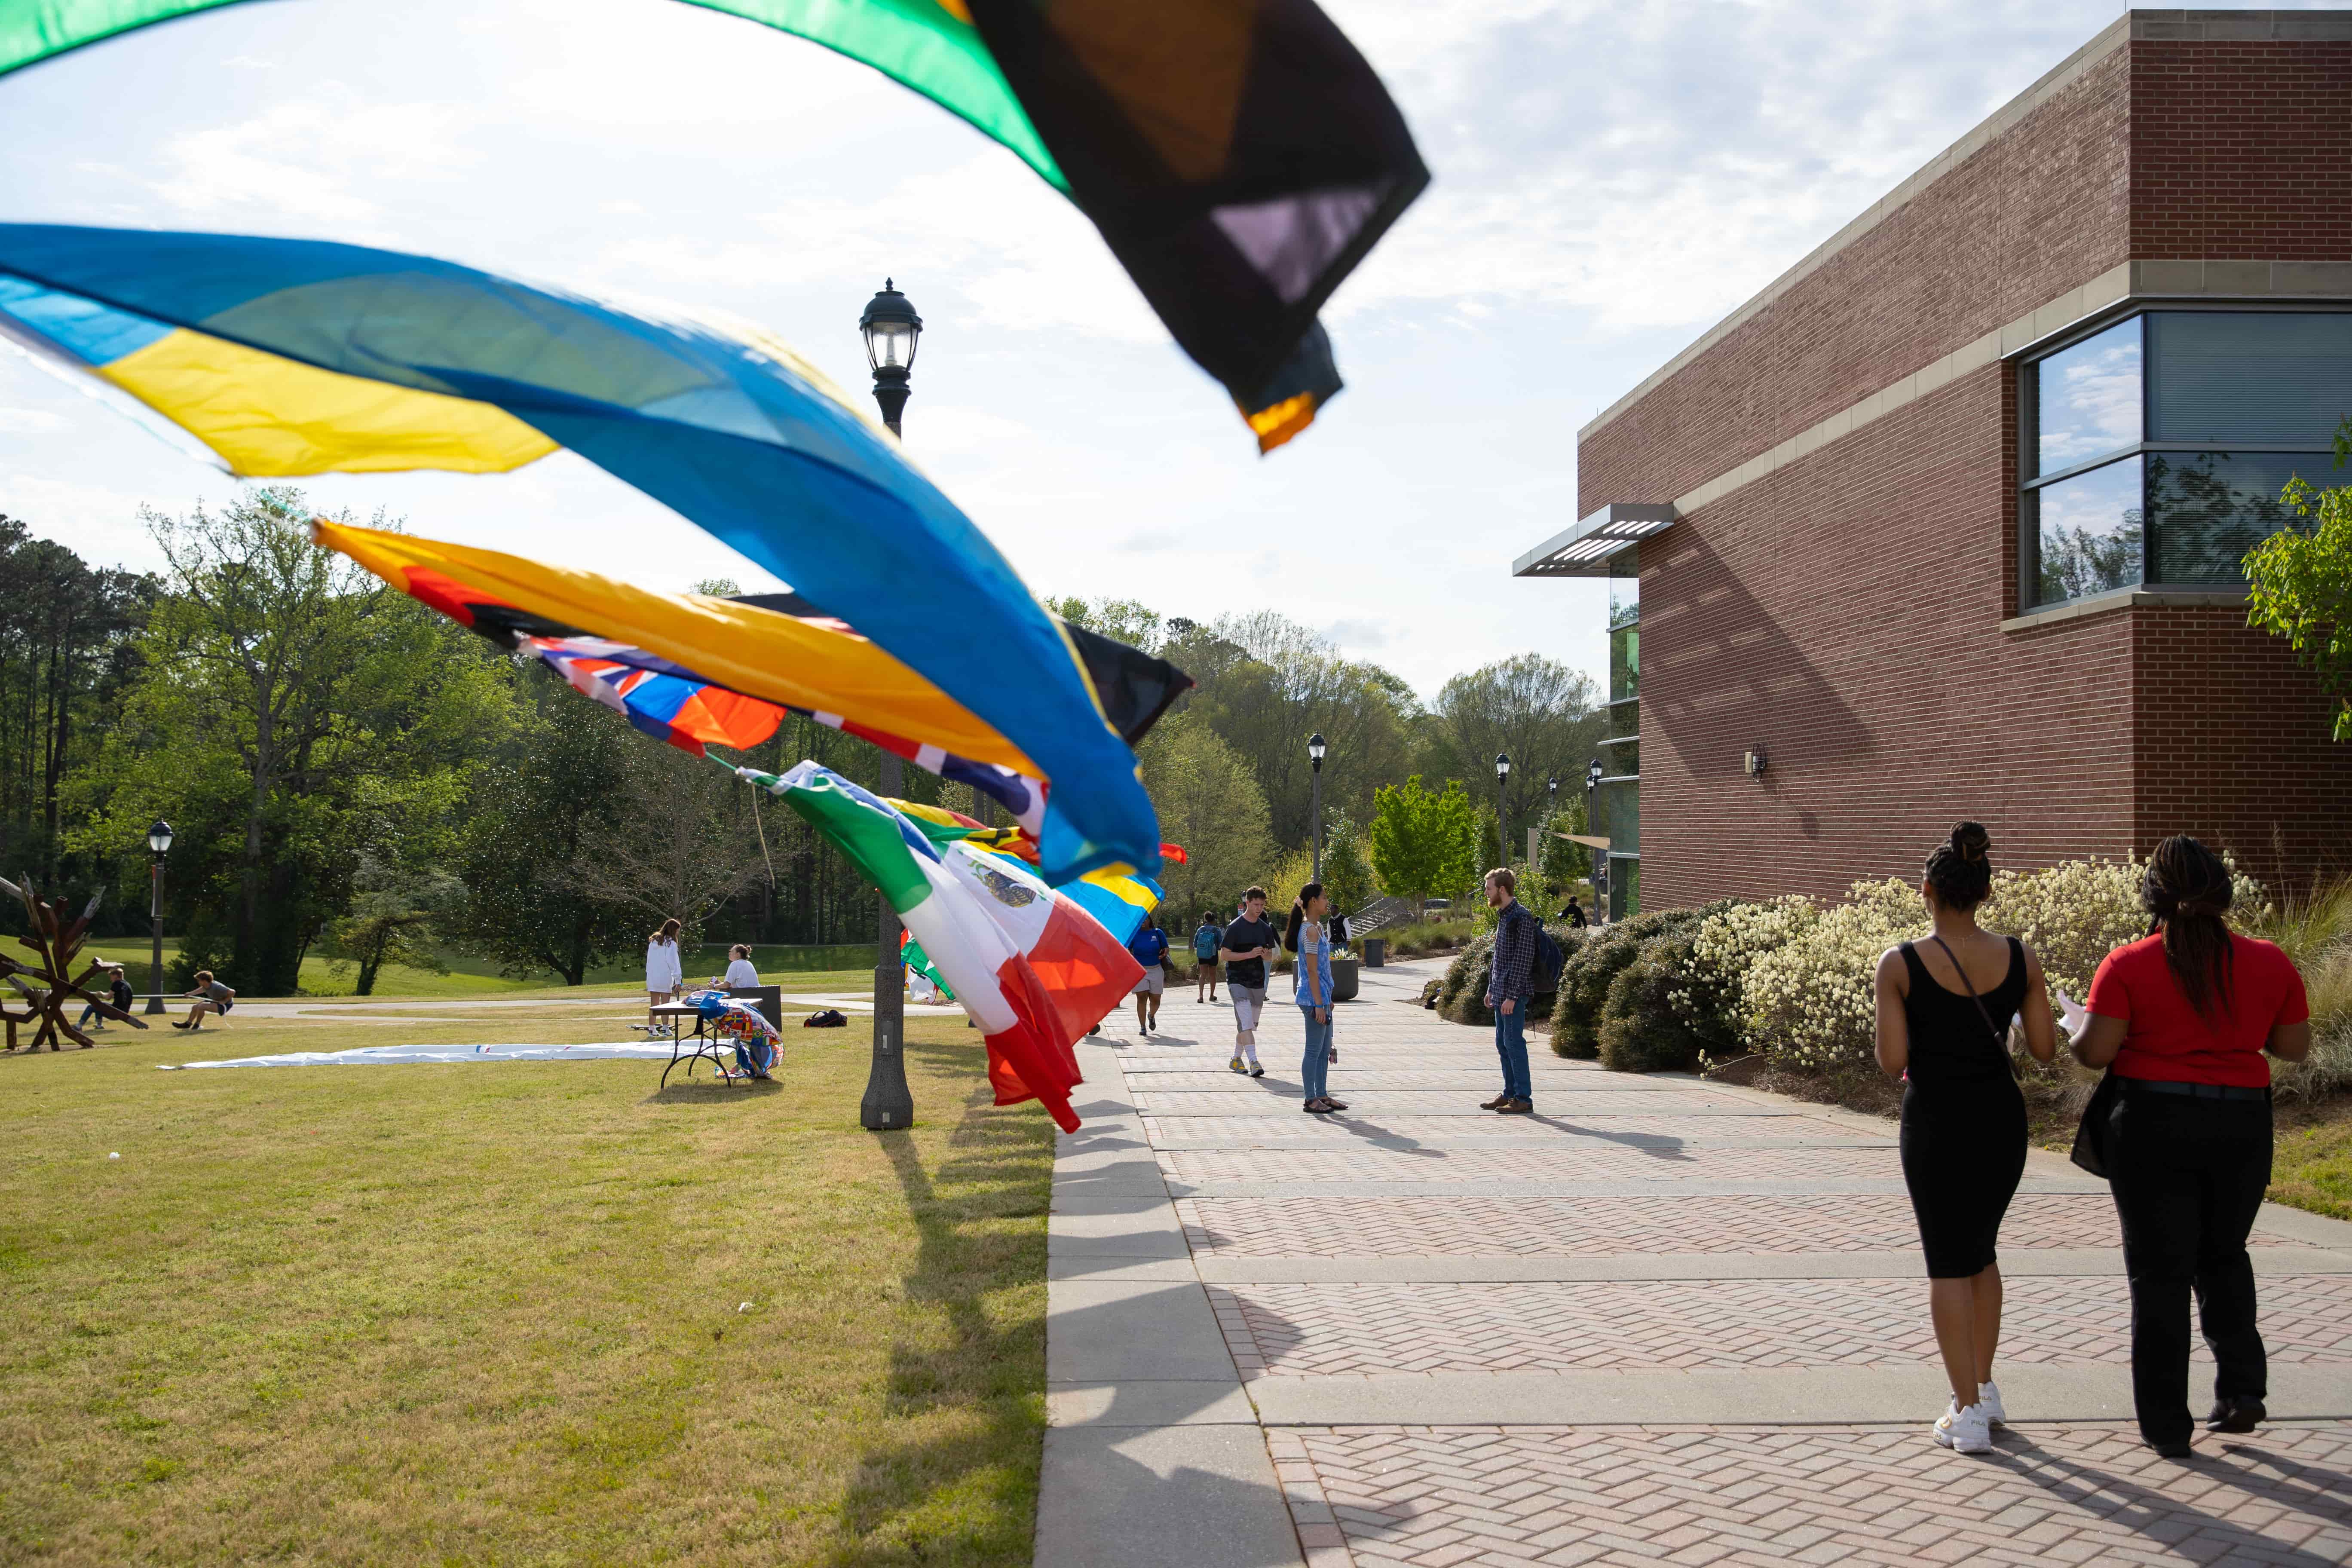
[(1502, 782), (1551, 807), (158, 844), (1315, 760), (892, 329), (1592, 826)]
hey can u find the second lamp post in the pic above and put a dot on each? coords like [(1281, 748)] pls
[(891, 329), (1315, 761), (1502, 783)]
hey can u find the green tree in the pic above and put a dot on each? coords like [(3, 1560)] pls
[(549, 810), (1424, 843), (1545, 716), (1346, 872), (1209, 803), (1129, 621), (1559, 862), (284, 697), (393, 918), (2299, 584)]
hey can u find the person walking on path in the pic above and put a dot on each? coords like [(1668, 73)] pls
[(1306, 937), (2182, 1018), (665, 971), (212, 997), (1247, 943), (1149, 947), (1508, 986), (1944, 1007), (1574, 913), (1206, 939)]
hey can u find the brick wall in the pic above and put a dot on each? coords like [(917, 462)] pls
[(2241, 151), (1844, 612), (1825, 613), (2234, 744), (2033, 214)]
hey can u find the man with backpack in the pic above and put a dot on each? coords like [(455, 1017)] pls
[(1526, 959)]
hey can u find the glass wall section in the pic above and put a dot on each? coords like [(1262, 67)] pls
[(1618, 803), (1625, 627), (2087, 401), (2156, 448), (1624, 888), (2089, 531)]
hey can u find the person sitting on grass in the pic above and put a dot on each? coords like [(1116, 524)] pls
[(122, 997), (210, 995)]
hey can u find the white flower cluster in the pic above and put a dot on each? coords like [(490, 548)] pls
[(1808, 1001), (1795, 981)]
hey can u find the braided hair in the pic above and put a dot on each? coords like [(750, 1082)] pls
[(1958, 870), (2186, 893)]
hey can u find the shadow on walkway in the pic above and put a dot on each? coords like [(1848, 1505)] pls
[(2167, 1520)]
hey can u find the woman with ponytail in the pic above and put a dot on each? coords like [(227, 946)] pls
[(1306, 937), (2183, 1018), (1944, 1010)]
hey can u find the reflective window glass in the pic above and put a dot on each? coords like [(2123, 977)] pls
[(2089, 531), (2206, 509), (2269, 377), (2088, 398), (1624, 662), (1625, 587)]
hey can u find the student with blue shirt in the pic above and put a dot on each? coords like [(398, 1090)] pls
[(1308, 937), (1149, 947)]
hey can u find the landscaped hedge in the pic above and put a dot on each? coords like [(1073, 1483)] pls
[(1462, 994)]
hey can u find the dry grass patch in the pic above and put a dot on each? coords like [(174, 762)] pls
[(489, 1313)]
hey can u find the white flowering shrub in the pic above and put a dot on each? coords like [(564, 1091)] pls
[(1709, 995), (2075, 913), (1808, 1002)]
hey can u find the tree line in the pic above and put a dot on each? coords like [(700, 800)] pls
[(351, 775)]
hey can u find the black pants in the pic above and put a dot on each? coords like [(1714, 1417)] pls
[(2189, 1176)]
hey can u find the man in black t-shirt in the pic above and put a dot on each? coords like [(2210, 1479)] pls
[(1248, 943)]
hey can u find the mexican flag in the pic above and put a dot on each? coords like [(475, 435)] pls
[(1032, 969)]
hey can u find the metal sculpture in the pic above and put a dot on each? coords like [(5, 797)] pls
[(46, 989)]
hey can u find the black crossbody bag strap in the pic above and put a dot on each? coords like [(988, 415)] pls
[(1999, 1034)]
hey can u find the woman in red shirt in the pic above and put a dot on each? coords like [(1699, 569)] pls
[(2184, 1015)]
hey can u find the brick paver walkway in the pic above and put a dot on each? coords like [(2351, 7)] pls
[(1664, 1235)]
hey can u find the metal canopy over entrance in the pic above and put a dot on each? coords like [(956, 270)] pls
[(1584, 550)]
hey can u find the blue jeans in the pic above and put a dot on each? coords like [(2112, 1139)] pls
[(1511, 1044), (1311, 1073)]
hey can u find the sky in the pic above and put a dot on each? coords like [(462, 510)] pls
[(1609, 180)]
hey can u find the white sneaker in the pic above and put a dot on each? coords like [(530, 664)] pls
[(1988, 1401), (1964, 1431)]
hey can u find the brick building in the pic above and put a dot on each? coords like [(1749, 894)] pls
[(1944, 523)]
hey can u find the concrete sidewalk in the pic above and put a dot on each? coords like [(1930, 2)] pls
[(1660, 1320)]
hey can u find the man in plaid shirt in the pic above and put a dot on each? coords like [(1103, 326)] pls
[(1507, 989)]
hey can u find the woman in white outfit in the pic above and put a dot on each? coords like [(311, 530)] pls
[(665, 971), (740, 975)]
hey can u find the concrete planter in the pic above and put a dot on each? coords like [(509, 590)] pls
[(1343, 979)]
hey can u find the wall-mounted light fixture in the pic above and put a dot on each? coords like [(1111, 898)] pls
[(1756, 761)]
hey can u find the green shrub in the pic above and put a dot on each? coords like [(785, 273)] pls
[(1584, 980), (1462, 999), (1640, 1030)]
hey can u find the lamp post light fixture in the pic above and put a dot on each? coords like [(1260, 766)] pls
[(158, 844), (1593, 774), (1502, 781), (1315, 761), (891, 329)]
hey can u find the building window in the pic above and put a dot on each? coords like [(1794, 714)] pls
[(2156, 448), (1625, 627)]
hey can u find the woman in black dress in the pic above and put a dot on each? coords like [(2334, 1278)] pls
[(1944, 1008)]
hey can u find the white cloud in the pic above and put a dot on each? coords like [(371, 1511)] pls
[(323, 159)]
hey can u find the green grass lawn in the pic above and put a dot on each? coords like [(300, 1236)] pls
[(2310, 1166), (493, 1313), (793, 967)]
